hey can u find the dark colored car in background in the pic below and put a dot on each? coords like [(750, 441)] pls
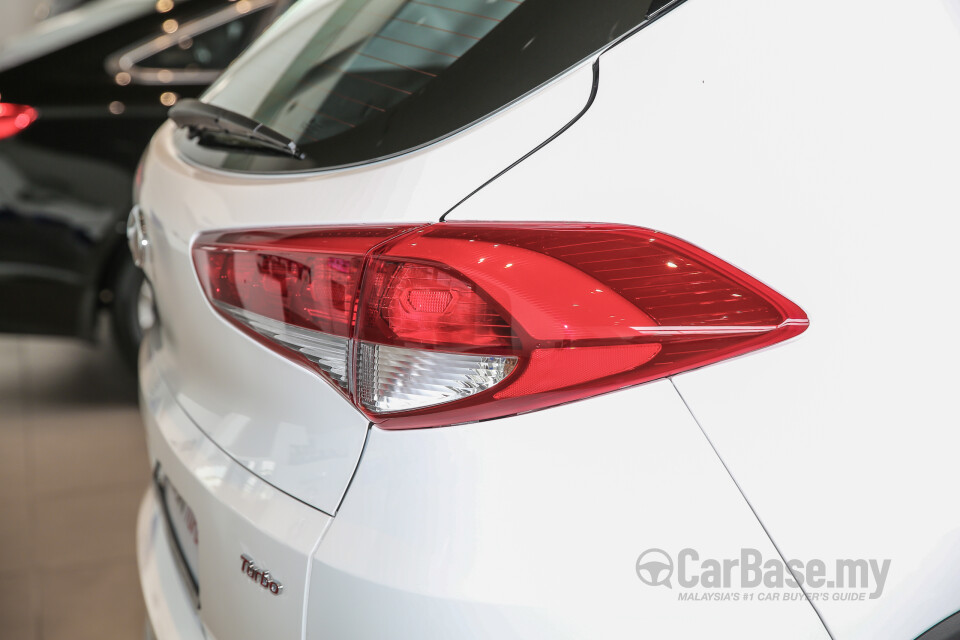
[(80, 97)]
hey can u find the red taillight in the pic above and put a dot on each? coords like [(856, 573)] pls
[(14, 118), (296, 289), (459, 322)]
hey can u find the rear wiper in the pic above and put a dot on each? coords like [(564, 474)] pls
[(217, 127)]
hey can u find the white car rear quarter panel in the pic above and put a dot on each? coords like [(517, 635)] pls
[(817, 149), (237, 513), (273, 416), (531, 526)]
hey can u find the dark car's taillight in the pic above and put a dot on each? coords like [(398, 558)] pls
[(14, 118), (458, 322)]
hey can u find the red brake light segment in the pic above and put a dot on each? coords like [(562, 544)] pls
[(295, 288), (14, 118), (550, 369), (459, 322), (417, 305), (303, 278)]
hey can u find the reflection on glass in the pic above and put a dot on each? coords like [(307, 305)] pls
[(371, 55)]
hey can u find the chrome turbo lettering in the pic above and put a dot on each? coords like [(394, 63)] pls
[(259, 575)]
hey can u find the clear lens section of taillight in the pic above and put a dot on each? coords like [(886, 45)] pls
[(14, 118), (459, 322), (394, 379)]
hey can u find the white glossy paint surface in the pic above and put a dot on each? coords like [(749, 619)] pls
[(530, 527), (818, 152), (236, 513)]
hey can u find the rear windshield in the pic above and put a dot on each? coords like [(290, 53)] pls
[(353, 81)]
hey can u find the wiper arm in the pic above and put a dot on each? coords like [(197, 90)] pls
[(218, 127)]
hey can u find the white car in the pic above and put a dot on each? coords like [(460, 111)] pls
[(451, 343)]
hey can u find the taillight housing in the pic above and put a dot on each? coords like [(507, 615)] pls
[(440, 324), (14, 118)]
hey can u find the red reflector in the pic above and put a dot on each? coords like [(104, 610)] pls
[(459, 322), (14, 118), (415, 305)]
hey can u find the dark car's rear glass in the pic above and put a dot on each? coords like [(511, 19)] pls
[(359, 80)]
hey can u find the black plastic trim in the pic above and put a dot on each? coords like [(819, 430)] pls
[(160, 485)]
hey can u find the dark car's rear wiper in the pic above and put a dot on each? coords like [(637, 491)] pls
[(217, 127)]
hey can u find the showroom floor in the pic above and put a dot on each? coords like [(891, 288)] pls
[(72, 470)]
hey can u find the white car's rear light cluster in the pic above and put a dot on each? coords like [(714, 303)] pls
[(459, 322)]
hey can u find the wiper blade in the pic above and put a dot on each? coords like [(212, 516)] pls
[(217, 127)]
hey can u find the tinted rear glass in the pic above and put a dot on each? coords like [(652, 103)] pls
[(358, 80)]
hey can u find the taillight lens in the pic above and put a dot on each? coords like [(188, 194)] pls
[(14, 118), (459, 322), (294, 289)]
